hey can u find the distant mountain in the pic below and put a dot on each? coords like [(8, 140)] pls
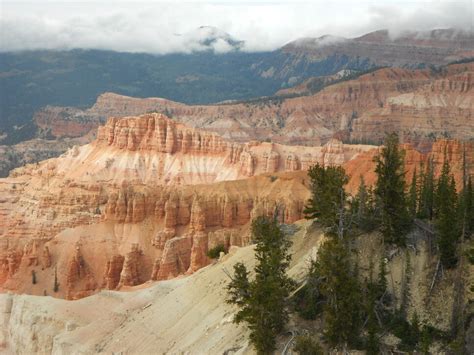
[(217, 69), (209, 38), (407, 49)]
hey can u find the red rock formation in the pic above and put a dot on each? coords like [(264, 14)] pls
[(197, 226), (13, 262), (113, 271), (46, 257), (76, 271), (30, 253), (364, 164), (176, 258), (130, 275), (108, 205)]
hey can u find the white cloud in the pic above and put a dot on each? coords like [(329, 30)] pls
[(152, 26)]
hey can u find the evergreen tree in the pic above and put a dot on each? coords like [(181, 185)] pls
[(341, 291), (469, 196), (382, 278), (413, 195), (263, 302), (466, 209), (327, 191), (306, 345), (56, 283), (426, 196), (363, 208), (447, 233), (309, 298), (390, 190), (372, 293), (425, 341)]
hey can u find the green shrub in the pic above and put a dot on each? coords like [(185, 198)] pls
[(215, 252), (306, 345)]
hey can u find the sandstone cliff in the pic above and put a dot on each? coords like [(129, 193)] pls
[(150, 196), (145, 201)]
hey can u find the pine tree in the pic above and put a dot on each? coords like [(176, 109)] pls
[(425, 341), (382, 278), (426, 196), (309, 297), (56, 283), (363, 208), (405, 286), (341, 290), (306, 345), (413, 195), (469, 206), (372, 293), (390, 190), (327, 188), (447, 233), (263, 302), (466, 208)]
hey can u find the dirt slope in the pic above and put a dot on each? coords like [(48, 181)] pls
[(187, 314)]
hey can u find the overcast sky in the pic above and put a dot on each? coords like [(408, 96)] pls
[(151, 26)]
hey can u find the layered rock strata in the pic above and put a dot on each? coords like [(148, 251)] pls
[(150, 197), (418, 104)]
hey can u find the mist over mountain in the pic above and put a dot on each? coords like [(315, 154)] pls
[(217, 69)]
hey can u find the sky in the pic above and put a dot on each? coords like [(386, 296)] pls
[(163, 27)]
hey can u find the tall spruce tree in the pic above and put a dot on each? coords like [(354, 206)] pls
[(327, 190), (390, 190), (371, 296), (446, 228), (341, 290), (426, 196), (262, 302), (413, 195), (466, 203), (469, 206), (363, 208)]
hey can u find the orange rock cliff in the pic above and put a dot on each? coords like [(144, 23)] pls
[(150, 197)]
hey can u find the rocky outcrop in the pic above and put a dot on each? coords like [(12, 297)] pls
[(46, 257), (113, 271), (130, 275), (79, 281), (176, 258)]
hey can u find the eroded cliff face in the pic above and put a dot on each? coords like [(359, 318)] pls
[(417, 159), (152, 149), (145, 201), (418, 104), (150, 197)]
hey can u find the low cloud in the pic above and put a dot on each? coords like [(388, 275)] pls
[(164, 27)]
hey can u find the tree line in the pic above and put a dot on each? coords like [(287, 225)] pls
[(355, 310)]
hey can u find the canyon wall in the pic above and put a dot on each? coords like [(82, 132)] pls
[(145, 201), (151, 196)]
